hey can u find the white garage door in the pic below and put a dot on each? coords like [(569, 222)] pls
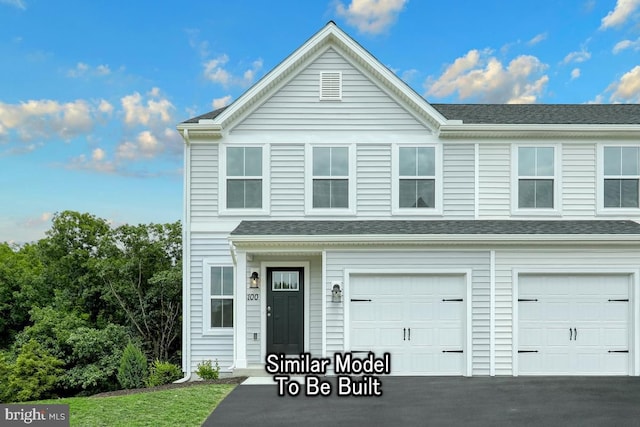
[(573, 325), (418, 319)]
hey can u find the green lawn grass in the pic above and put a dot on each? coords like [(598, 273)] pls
[(188, 406)]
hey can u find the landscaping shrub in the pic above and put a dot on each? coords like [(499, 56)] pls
[(133, 367), (208, 372), (163, 373), (94, 359), (34, 374)]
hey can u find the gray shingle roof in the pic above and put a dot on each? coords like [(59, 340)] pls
[(579, 114), (391, 227), (523, 113), (210, 115)]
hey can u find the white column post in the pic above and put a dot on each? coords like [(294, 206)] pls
[(240, 325)]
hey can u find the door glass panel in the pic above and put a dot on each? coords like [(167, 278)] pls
[(285, 281)]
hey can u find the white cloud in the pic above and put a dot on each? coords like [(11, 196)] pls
[(575, 73), (20, 4), (98, 154), (105, 107), (620, 14), (482, 77), (37, 221), (49, 118), (537, 39), (371, 16), (221, 102), (626, 44), (148, 144), (215, 71), (578, 56), (84, 70), (627, 89), (153, 110), (409, 75)]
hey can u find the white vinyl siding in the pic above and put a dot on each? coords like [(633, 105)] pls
[(547, 260), (214, 248), (373, 189), (364, 105), (204, 181), (405, 260), (287, 180), (579, 180), (495, 180), (458, 180)]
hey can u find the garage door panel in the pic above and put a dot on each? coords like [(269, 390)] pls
[(421, 311), (573, 325), (411, 322)]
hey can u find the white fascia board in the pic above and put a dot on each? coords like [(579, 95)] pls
[(537, 130), (507, 239), (191, 130)]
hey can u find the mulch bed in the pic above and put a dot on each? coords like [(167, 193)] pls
[(226, 380)]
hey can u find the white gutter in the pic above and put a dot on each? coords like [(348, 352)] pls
[(186, 266)]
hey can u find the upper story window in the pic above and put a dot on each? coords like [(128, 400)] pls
[(417, 177), (244, 178), (330, 177), (416, 187), (621, 176), (536, 177)]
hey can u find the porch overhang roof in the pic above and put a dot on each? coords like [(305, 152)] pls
[(315, 232)]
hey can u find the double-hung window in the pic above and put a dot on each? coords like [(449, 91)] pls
[(220, 297), (621, 176), (416, 177), (536, 177), (330, 178), (244, 181)]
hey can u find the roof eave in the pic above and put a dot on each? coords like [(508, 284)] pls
[(481, 130), (426, 239)]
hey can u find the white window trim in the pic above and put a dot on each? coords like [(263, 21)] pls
[(308, 185), (222, 180), (557, 182), (207, 330), (395, 182), (600, 209)]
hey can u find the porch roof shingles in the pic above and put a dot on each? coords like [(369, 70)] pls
[(420, 227)]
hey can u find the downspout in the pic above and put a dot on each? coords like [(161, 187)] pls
[(186, 264)]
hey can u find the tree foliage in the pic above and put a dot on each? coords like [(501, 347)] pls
[(133, 371), (80, 294)]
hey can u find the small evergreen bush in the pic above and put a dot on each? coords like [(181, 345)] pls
[(163, 373), (34, 374), (133, 367), (208, 372)]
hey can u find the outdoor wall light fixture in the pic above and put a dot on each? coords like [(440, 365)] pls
[(336, 292), (254, 280)]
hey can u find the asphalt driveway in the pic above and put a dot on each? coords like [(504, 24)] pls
[(444, 401)]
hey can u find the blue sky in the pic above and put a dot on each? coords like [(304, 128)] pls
[(90, 92)]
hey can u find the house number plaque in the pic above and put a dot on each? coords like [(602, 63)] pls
[(253, 297)]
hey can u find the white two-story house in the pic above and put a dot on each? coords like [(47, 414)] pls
[(332, 209)]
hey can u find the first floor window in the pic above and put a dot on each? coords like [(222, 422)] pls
[(621, 176), (221, 297), (417, 181)]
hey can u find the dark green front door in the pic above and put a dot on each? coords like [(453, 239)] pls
[(285, 310)]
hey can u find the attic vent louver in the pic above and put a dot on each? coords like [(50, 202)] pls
[(330, 86)]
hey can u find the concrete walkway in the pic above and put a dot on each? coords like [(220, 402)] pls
[(446, 401)]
